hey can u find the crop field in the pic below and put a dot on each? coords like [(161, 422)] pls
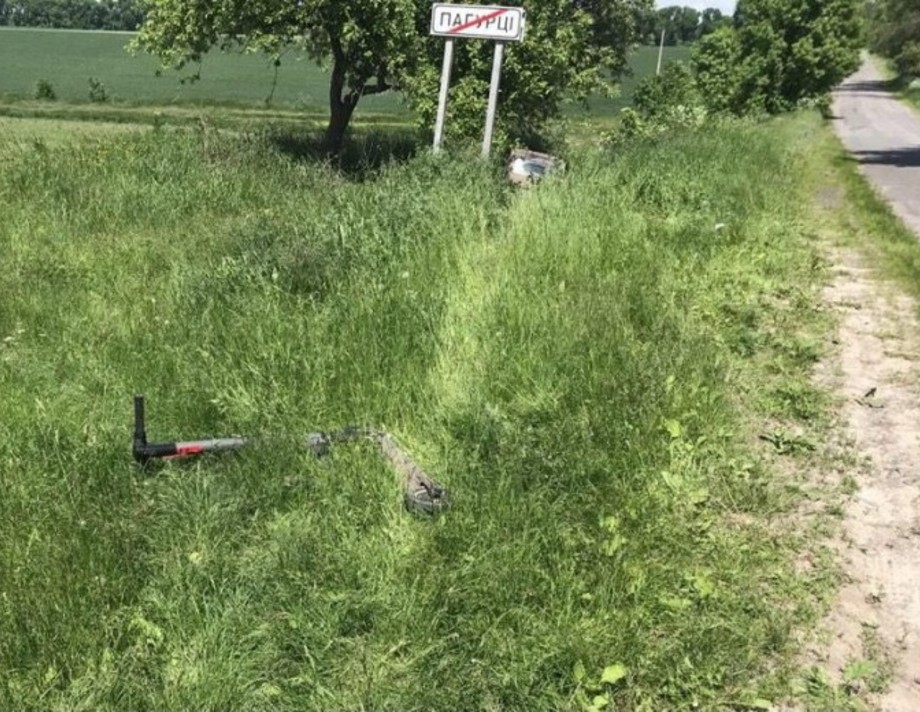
[(68, 59), (579, 363)]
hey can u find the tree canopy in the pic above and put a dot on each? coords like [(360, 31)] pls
[(896, 33), (779, 53)]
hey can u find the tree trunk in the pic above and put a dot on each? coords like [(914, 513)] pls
[(340, 112), (340, 107)]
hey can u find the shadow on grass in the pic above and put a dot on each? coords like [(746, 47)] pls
[(365, 152)]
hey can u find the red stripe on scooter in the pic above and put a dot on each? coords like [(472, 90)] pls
[(189, 449)]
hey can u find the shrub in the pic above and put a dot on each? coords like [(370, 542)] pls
[(907, 61), (716, 66), (661, 95), (44, 91), (97, 92)]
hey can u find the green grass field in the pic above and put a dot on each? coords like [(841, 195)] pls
[(587, 365), (581, 364), (67, 59)]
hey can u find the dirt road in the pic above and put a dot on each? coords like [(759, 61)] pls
[(875, 371), (884, 136)]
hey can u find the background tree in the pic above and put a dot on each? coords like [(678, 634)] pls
[(687, 24), (780, 52), (72, 14), (646, 22), (896, 33), (711, 19), (680, 24)]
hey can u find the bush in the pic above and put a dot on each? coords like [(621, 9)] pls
[(97, 92), (660, 95), (662, 104), (716, 62), (44, 91), (633, 125), (907, 61)]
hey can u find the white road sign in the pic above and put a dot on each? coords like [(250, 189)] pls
[(487, 22)]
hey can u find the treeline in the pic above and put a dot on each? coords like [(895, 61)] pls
[(681, 25), (73, 14), (895, 30), (775, 56)]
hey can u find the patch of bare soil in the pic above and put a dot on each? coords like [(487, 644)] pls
[(874, 369)]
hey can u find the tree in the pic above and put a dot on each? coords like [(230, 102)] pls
[(779, 53), (716, 62), (369, 44), (680, 24), (688, 22), (896, 33), (711, 19), (647, 25), (72, 14), (667, 23)]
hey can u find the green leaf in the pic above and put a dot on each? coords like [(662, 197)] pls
[(598, 703), (698, 495), (579, 671), (613, 544), (676, 603), (613, 673), (703, 584), (674, 428)]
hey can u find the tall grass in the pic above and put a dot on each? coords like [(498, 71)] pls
[(567, 360)]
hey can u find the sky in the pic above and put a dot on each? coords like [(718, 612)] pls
[(726, 6)]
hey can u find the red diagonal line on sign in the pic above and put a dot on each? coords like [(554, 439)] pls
[(468, 25)]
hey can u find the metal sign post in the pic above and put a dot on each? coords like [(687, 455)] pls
[(442, 94), (493, 99), (503, 24)]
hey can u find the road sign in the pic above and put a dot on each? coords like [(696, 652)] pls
[(485, 22)]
